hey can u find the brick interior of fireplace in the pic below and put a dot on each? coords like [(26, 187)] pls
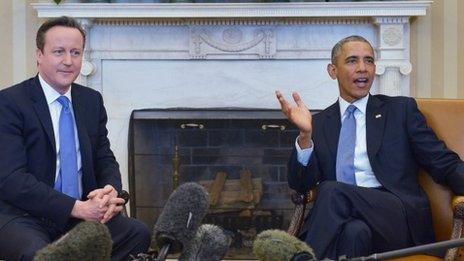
[(212, 141)]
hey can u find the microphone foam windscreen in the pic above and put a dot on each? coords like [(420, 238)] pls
[(181, 216), (88, 240), (277, 245), (210, 243)]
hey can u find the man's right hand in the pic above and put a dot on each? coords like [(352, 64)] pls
[(89, 210), (298, 115)]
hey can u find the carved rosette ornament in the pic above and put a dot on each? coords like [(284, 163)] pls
[(392, 35), (203, 42), (232, 35)]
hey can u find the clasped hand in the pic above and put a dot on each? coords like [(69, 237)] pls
[(101, 205)]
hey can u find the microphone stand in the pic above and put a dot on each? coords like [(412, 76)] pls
[(410, 251), (169, 245), (163, 252)]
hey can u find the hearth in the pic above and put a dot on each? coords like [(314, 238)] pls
[(239, 155)]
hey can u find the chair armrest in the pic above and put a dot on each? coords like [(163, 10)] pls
[(457, 204), (126, 196), (301, 201)]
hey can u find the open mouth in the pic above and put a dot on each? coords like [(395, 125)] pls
[(361, 81)]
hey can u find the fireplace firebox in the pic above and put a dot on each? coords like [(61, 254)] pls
[(239, 155)]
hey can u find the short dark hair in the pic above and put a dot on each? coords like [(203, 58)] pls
[(65, 21), (337, 49)]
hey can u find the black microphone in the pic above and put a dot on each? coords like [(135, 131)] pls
[(272, 245), (88, 240), (181, 216), (211, 243), (422, 249)]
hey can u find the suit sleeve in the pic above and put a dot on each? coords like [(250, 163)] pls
[(302, 178), (444, 165), (107, 168), (18, 186)]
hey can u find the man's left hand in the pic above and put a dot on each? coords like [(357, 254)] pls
[(108, 196)]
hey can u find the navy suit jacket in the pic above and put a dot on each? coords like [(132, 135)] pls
[(398, 143), (28, 152)]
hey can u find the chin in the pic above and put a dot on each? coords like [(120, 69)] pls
[(67, 82)]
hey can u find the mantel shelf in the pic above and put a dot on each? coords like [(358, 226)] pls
[(234, 10)]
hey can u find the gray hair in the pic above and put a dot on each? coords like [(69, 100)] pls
[(337, 49)]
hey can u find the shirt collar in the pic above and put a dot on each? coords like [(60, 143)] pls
[(51, 94), (360, 104)]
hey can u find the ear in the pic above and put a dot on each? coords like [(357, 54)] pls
[(332, 70), (38, 55)]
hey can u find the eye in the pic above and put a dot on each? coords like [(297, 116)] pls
[(58, 52), (76, 53), (351, 60), (370, 61)]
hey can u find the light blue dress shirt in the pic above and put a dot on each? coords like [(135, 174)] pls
[(363, 171), (51, 95)]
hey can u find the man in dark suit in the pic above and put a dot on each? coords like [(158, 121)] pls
[(363, 154), (56, 165)]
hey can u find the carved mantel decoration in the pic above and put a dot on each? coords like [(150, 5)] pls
[(231, 54)]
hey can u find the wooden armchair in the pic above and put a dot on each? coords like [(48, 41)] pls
[(446, 118)]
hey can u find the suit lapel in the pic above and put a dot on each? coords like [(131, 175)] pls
[(332, 127), (41, 108), (376, 115), (80, 112)]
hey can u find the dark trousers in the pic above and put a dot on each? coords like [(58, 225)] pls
[(23, 236), (355, 221)]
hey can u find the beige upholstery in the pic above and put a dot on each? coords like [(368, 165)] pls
[(446, 118)]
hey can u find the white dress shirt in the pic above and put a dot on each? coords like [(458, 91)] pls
[(51, 95), (363, 171)]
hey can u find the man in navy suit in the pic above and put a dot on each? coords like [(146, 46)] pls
[(363, 154), (56, 165)]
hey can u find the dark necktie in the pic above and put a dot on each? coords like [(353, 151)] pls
[(346, 145), (67, 181)]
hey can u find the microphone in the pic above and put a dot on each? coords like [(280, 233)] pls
[(211, 243), (181, 216), (422, 249), (88, 240), (276, 245)]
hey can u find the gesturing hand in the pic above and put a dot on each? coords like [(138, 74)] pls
[(298, 115)]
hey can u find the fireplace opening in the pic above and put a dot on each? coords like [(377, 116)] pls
[(238, 155)]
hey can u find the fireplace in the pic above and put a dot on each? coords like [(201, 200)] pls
[(229, 55), (239, 155), (207, 55)]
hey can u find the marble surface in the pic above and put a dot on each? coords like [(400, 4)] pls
[(229, 55)]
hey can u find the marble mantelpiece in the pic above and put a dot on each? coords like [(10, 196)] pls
[(229, 55)]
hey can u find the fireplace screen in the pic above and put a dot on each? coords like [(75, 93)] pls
[(238, 155)]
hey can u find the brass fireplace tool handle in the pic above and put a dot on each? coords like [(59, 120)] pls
[(192, 126), (273, 126), (175, 167)]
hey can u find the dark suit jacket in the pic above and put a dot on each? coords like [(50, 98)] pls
[(28, 152), (398, 143)]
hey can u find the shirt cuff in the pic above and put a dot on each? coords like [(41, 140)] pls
[(303, 155)]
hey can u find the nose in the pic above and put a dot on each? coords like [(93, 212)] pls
[(67, 59), (362, 66)]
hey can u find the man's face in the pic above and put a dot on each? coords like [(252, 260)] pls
[(354, 70), (60, 61)]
